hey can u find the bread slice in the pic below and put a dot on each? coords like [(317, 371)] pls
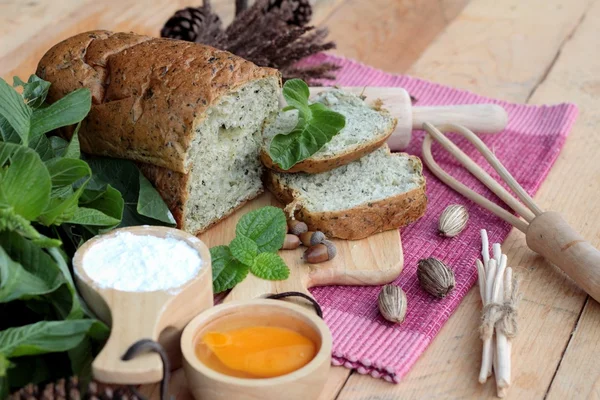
[(191, 113), (378, 192), (367, 128)]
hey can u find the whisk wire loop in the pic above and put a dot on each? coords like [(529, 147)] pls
[(529, 210)]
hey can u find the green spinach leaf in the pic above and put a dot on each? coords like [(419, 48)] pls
[(69, 110), (35, 90), (15, 111), (43, 337), (25, 182)]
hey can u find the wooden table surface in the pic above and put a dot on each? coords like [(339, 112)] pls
[(533, 51)]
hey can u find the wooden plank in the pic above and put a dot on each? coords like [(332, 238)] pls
[(575, 78), (500, 48), (551, 303), (389, 35)]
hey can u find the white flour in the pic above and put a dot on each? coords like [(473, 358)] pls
[(141, 263)]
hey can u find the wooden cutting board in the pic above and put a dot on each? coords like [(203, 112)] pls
[(375, 260)]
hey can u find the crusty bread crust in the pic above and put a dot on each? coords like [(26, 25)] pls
[(358, 222), (148, 94), (314, 165)]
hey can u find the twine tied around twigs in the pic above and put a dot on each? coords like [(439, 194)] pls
[(502, 316)]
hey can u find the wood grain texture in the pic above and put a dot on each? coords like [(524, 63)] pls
[(575, 78), (552, 303), (387, 34), (501, 48)]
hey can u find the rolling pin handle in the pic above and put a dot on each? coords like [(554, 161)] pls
[(553, 238), (480, 118)]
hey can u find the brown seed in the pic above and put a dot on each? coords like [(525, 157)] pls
[(435, 277), (312, 238), (296, 227), (291, 242), (392, 303), (321, 252)]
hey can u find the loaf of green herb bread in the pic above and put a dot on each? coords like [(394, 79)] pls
[(379, 192), (192, 114), (368, 126)]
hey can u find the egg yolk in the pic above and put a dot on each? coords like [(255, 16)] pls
[(261, 351)]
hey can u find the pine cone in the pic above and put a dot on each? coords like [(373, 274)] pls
[(301, 10), (69, 390), (198, 25)]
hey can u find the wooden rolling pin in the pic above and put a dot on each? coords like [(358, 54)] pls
[(481, 118)]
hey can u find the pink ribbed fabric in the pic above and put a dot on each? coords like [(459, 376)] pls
[(528, 147)]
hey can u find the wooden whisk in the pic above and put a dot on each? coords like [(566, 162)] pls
[(547, 233)]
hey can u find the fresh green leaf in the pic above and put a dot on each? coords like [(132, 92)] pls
[(16, 283), (59, 145), (296, 93), (316, 126), (69, 110), (7, 132), (91, 216), (270, 266), (266, 226), (33, 260), (227, 271), (25, 185), (77, 310), (41, 145), (35, 90), (43, 337), (10, 221), (15, 111), (151, 205), (307, 137), (110, 203), (72, 150), (66, 171), (243, 249), (124, 176), (5, 364), (62, 207)]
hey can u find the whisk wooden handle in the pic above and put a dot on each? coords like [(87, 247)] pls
[(553, 238)]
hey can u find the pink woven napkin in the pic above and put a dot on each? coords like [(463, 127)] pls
[(528, 147)]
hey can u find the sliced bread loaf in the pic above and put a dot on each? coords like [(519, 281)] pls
[(378, 192), (191, 113), (367, 128)]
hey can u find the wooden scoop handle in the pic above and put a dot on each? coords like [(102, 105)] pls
[(551, 236), (128, 325), (480, 118)]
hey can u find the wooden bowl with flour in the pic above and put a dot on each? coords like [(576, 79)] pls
[(146, 282)]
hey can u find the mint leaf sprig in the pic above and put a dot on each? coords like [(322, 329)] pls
[(259, 235), (316, 126)]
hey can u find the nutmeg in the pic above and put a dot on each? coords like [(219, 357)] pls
[(435, 277), (321, 252), (311, 238), (296, 227), (291, 242), (392, 303)]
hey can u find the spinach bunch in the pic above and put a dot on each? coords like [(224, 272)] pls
[(51, 201)]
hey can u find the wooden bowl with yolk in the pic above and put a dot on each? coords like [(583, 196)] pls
[(208, 378)]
